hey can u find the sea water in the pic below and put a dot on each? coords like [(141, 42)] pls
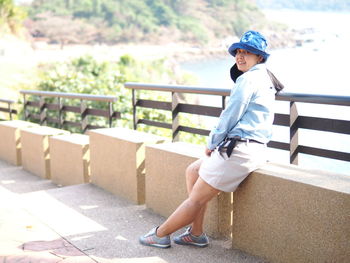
[(319, 66)]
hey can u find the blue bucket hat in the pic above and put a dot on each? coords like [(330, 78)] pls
[(253, 42)]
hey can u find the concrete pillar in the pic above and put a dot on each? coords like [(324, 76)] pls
[(118, 161), (10, 140), (35, 149), (69, 159)]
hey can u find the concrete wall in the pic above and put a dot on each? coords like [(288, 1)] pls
[(118, 161), (166, 185), (36, 151), (69, 159), (282, 213), (288, 214), (10, 141)]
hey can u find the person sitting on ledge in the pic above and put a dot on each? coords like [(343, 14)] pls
[(236, 145)]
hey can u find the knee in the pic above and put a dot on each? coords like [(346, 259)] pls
[(194, 204), (192, 170)]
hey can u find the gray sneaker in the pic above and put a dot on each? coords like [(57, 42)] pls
[(188, 239), (151, 239)]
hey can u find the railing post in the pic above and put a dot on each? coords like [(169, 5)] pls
[(83, 115), (110, 113), (175, 116), (10, 110), (60, 108), (293, 133), (42, 110), (25, 107), (134, 100)]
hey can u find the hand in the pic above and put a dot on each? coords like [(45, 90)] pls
[(208, 152)]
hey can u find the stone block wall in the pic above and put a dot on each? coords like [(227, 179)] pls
[(288, 214), (69, 159), (10, 141), (282, 213), (35, 149), (118, 161)]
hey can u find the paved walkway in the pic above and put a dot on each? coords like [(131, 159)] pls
[(41, 222)]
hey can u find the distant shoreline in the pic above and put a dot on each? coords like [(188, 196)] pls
[(179, 52)]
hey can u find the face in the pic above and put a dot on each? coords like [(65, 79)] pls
[(246, 60)]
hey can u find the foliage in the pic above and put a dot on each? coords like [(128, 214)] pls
[(11, 16), (151, 20), (86, 75), (320, 5), (62, 29)]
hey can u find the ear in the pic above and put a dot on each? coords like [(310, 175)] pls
[(261, 59)]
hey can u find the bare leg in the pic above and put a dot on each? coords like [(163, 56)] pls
[(191, 178), (187, 212)]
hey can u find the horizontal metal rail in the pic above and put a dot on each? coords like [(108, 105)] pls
[(283, 96), (7, 101), (79, 96), (8, 109), (314, 98), (292, 120), (178, 89), (81, 109)]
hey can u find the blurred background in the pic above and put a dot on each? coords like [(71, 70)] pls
[(191, 35)]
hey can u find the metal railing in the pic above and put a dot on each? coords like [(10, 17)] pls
[(292, 120), (82, 109), (8, 107)]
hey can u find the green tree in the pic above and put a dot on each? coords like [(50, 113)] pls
[(151, 20), (11, 16), (164, 13), (86, 75), (218, 2)]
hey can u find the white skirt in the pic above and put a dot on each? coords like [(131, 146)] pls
[(226, 173)]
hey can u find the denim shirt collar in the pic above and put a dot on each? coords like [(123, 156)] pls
[(259, 66)]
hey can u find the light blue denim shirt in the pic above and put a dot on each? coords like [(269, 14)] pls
[(249, 112)]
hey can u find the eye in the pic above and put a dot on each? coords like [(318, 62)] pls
[(242, 52)]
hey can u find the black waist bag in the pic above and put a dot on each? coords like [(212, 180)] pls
[(229, 144)]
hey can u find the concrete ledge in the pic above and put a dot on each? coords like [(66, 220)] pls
[(118, 161), (10, 142), (287, 214), (166, 185), (69, 159), (35, 149)]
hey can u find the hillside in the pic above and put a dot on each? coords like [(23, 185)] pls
[(309, 5), (152, 21)]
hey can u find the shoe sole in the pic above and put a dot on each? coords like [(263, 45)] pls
[(191, 244), (155, 245)]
